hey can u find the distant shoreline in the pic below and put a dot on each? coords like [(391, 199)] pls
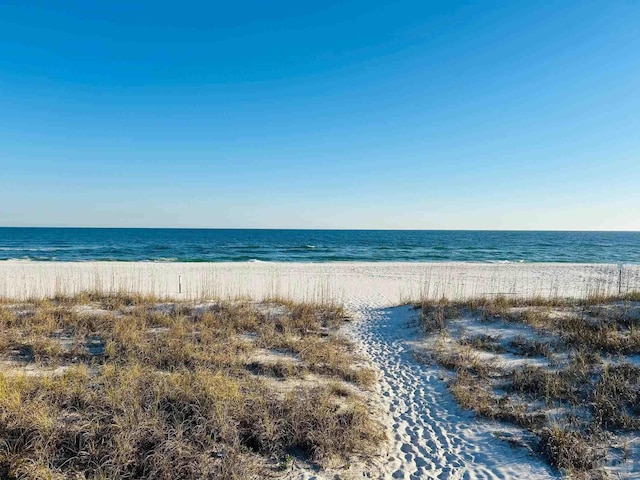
[(321, 262), (316, 262)]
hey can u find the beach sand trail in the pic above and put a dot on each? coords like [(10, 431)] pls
[(431, 437)]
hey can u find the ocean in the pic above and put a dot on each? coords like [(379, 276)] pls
[(227, 245)]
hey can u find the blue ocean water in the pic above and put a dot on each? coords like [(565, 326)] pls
[(196, 245)]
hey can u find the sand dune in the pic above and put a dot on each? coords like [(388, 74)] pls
[(430, 436)]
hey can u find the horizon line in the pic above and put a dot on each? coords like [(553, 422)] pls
[(317, 229)]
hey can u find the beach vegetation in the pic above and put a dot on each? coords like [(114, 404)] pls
[(564, 370), (130, 386)]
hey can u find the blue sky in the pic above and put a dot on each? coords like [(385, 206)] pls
[(321, 114)]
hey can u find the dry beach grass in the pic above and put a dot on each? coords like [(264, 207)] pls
[(565, 370), (128, 386)]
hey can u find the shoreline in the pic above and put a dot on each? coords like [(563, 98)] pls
[(373, 283), (319, 262)]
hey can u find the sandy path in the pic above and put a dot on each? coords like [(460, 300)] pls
[(431, 436)]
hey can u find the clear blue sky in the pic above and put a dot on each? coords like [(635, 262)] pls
[(328, 114)]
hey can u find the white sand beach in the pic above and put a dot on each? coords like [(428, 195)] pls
[(430, 436), (355, 284)]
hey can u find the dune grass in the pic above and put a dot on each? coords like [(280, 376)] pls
[(128, 386), (574, 384)]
